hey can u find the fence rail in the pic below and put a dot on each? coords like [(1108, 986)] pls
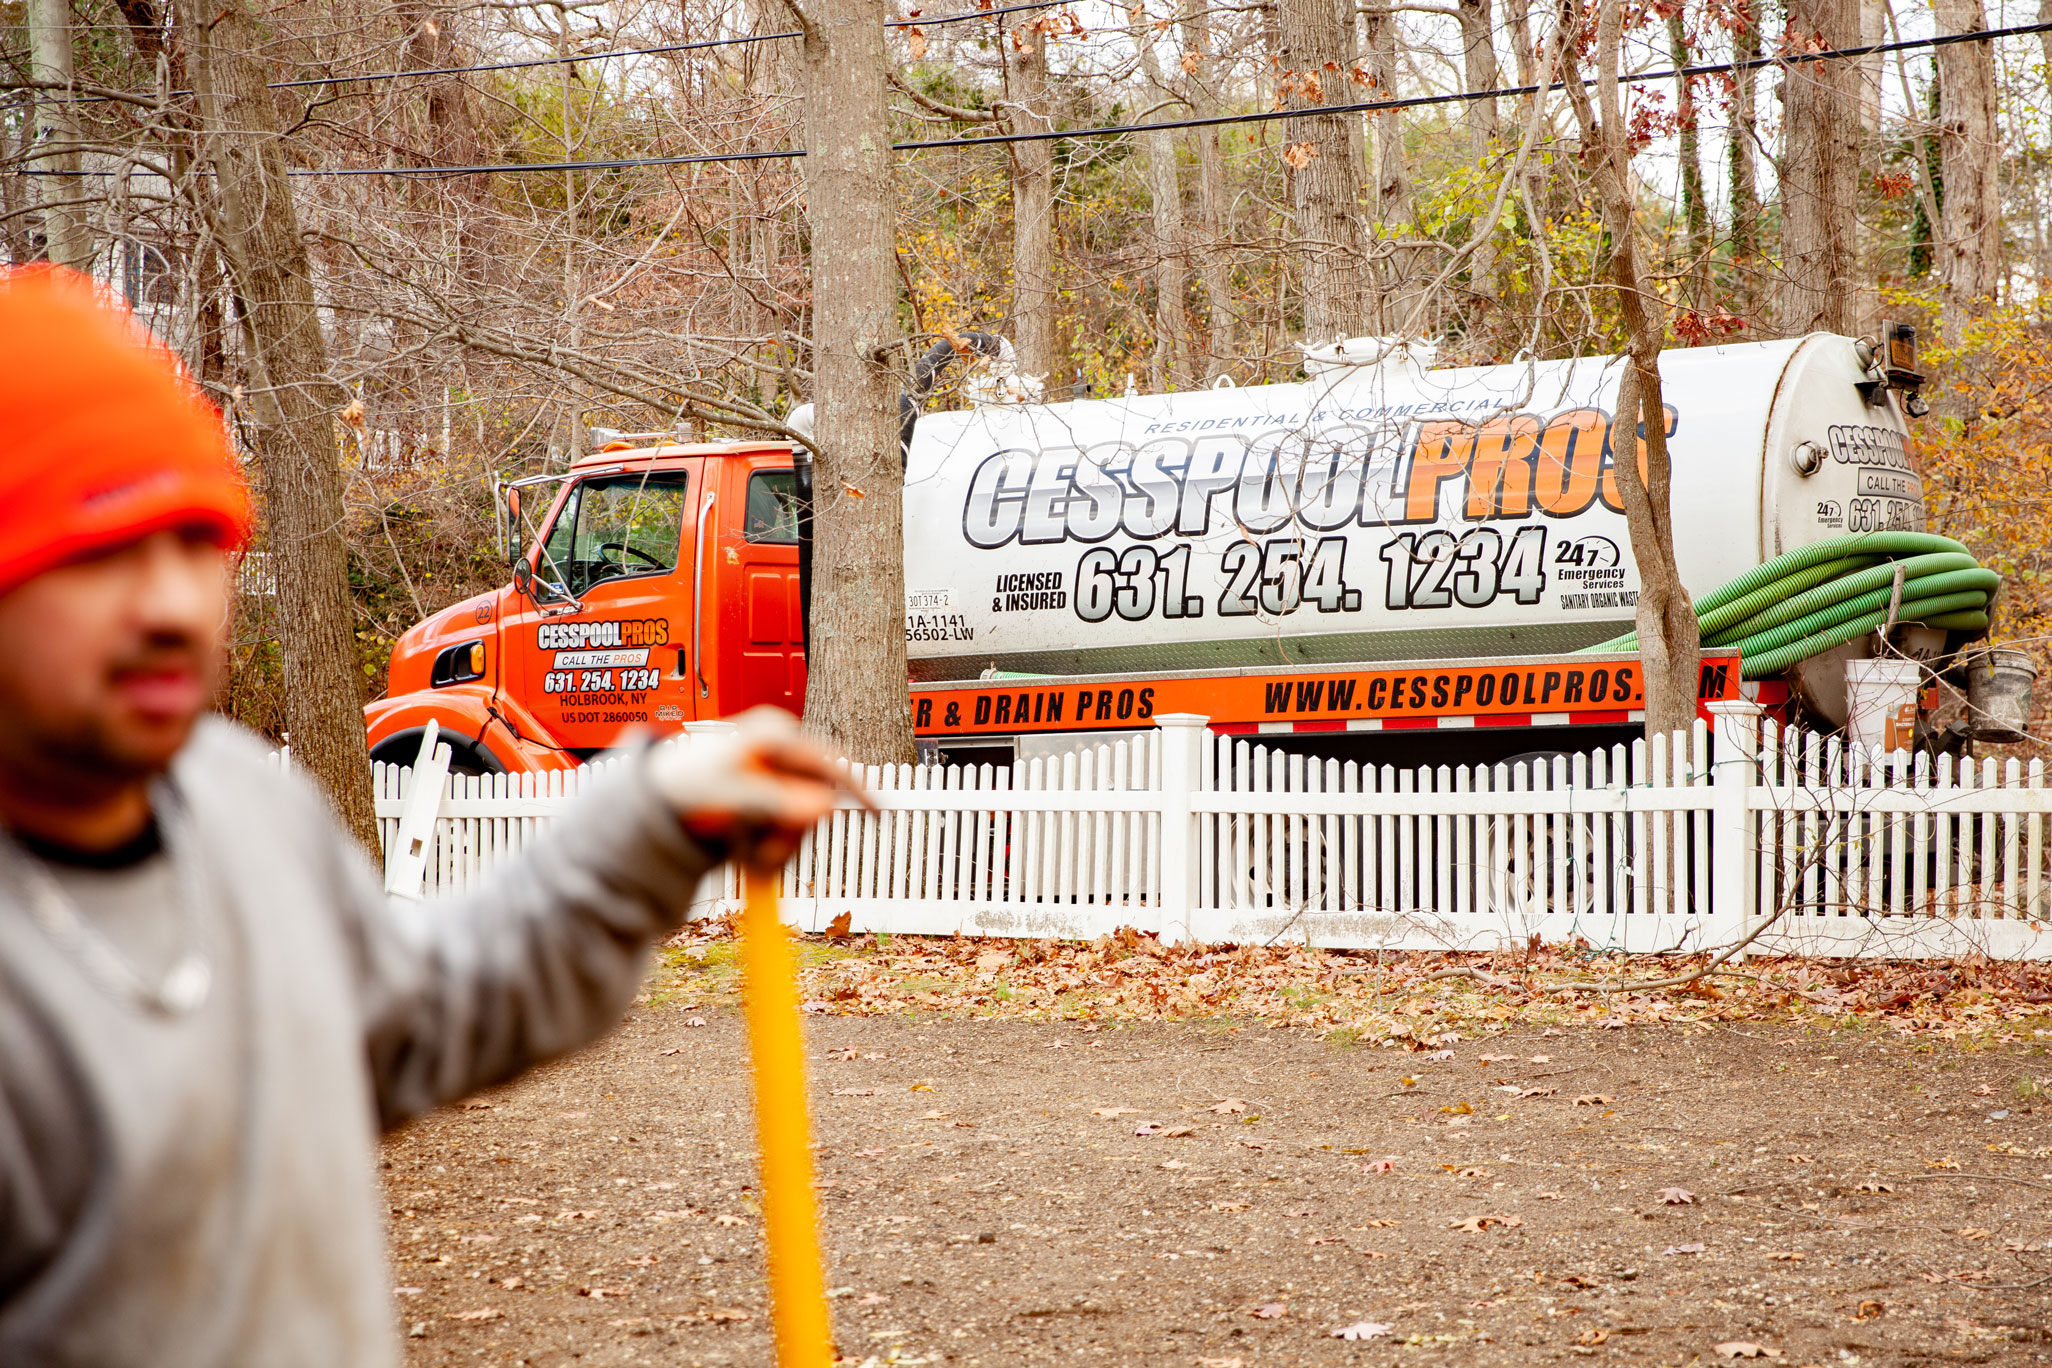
[(1734, 831)]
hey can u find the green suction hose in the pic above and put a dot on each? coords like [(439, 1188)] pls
[(1828, 593)]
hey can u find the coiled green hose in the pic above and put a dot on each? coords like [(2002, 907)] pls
[(1825, 594)]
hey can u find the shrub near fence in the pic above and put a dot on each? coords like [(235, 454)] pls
[(1735, 831)]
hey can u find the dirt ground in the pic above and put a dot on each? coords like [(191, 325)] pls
[(1221, 1193)]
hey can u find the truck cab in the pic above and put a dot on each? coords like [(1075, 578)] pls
[(658, 586)]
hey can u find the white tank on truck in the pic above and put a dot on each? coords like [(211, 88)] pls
[(1382, 509)]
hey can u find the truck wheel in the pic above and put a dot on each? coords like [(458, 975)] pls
[(465, 757)]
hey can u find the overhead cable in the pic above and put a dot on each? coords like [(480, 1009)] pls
[(569, 59), (1213, 121)]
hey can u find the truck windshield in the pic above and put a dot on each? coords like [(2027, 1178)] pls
[(614, 527)]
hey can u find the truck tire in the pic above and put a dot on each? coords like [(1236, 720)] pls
[(466, 757)]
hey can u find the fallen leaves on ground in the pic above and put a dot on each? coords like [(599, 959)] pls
[(1592, 1336), (1378, 998), (1362, 1330), (489, 1313), (1270, 1311), (1227, 1106), (1674, 1196), (1594, 1100), (1693, 1247), (1737, 1349), (1475, 1225), (724, 1315)]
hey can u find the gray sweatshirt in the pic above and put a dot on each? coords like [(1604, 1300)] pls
[(202, 1190)]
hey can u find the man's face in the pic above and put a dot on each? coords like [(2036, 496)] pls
[(106, 663)]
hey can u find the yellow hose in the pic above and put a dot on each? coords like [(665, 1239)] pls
[(790, 1219)]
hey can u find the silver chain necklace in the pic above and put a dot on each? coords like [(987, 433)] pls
[(183, 990)]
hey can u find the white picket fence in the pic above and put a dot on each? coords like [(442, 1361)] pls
[(1802, 843)]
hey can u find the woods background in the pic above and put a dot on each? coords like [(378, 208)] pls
[(352, 244)]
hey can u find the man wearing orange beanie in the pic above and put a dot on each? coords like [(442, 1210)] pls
[(207, 1007)]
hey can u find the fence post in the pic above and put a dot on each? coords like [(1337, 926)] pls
[(719, 891), (406, 861), (1734, 837), (1182, 766)]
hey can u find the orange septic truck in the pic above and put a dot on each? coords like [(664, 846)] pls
[(1386, 560)]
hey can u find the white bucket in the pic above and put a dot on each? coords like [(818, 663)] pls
[(1881, 702)]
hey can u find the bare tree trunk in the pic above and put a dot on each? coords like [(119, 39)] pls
[(1517, 18), (1324, 156), (292, 401), (1695, 205), (2045, 35), (1214, 257), (855, 694), (1670, 646), (1479, 71), (1395, 215), (1165, 198), (1742, 159), (1970, 224), (1820, 167), (1030, 109), (67, 236)]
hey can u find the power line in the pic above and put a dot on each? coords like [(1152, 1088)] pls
[(1213, 121), (570, 59), (1219, 120), (640, 52)]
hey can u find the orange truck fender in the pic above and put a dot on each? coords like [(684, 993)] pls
[(485, 735)]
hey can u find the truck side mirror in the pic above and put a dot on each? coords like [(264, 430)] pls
[(513, 537), (523, 578)]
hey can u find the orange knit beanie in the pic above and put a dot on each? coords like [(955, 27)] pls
[(103, 439)]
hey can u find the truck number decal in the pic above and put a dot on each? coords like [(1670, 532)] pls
[(1271, 577), (1436, 570), (601, 681)]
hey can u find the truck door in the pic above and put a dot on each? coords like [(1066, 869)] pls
[(599, 644), (756, 648)]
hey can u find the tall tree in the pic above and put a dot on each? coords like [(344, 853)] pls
[(1741, 158), (1404, 269), (1213, 251), (1165, 198), (1695, 205), (67, 235), (1819, 172), (292, 400), (1324, 156), (1480, 71), (1029, 108), (1970, 219), (855, 695), (1670, 645)]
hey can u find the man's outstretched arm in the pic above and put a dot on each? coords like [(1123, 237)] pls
[(544, 956)]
